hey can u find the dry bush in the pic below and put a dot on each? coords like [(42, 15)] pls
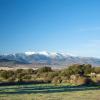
[(56, 80), (65, 79), (81, 81)]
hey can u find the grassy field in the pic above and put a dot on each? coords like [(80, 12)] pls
[(49, 92)]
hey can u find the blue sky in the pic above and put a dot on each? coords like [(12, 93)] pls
[(71, 26)]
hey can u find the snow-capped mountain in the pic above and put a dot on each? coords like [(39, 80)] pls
[(49, 58), (48, 54)]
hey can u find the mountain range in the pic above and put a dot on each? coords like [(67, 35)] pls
[(45, 58)]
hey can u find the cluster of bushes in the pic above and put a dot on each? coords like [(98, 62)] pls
[(74, 74)]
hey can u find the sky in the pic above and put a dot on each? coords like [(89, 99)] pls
[(71, 26)]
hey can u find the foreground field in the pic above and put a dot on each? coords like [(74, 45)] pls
[(49, 92)]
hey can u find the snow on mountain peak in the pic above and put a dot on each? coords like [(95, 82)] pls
[(29, 53), (48, 54), (43, 53)]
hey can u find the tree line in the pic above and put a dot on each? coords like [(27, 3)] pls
[(74, 74)]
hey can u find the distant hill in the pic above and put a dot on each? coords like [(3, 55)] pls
[(9, 63), (45, 58)]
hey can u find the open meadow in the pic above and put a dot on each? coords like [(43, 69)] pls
[(49, 92)]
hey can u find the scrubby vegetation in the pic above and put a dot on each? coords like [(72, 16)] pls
[(74, 74)]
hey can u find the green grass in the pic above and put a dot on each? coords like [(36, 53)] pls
[(49, 92)]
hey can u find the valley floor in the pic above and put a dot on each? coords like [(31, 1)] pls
[(49, 92)]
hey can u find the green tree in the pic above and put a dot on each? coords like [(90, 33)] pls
[(87, 69), (76, 69), (30, 71), (44, 69), (7, 74)]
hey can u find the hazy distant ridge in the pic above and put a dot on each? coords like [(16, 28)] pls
[(49, 58)]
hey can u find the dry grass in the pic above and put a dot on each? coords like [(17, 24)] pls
[(49, 92), (78, 95)]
